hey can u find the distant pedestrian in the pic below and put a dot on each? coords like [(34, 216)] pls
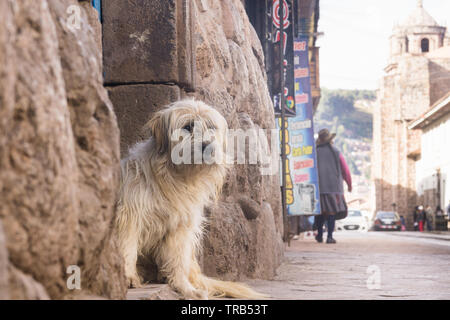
[(403, 222), (448, 215), (333, 170), (421, 218), (429, 218), (440, 222), (415, 216), (448, 210)]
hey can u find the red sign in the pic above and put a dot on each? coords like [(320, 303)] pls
[(276, 14), (300, 46), (301, 73), (305, 164), (301, 98), (299, 178), (283, 10)]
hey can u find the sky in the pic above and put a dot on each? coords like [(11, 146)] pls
[(354, 49)]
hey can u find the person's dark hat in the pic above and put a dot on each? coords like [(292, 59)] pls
[(325, 137)]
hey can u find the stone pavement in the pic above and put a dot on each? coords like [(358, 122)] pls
[(153, 292), (410, 265), (437, 235)]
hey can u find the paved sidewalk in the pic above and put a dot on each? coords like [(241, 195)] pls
[(408, 268), (410, 265), (439, 235)]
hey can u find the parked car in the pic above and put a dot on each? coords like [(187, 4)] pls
[(355, 220), (387, 220)]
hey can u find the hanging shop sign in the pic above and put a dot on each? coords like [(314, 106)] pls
[(288, 58), (302, 184), (97, 4)]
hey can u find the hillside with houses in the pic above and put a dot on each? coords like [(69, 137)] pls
[(348, 113)]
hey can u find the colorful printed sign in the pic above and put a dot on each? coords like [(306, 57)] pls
[(98, 6), (302, 185), (288, 61)]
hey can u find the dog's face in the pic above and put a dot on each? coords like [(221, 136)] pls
[(190, 133)]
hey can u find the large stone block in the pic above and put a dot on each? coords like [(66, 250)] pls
[(231, 77), (4, 277), (94, 22), (59, 154), (249, 248), (24, 287), (134, 105), (148, 41)]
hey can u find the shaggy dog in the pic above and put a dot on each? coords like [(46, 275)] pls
[(160, 209)]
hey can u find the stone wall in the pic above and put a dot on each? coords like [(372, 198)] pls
[(231, 76), (207, 49), (59, 154), (440, 77), (155, 63)]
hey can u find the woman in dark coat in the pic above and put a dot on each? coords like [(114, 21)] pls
[(333, 170)]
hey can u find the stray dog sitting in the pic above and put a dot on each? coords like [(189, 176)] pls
[(165, 184)]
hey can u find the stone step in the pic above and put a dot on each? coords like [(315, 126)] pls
[(153, 292)]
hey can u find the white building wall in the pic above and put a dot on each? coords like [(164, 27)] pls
[(435, 155)]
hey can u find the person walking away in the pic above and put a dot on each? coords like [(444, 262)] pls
[(421, 218), (440, 223), (448, 215), (439, 211), (448, 210), (333, 170), (416, 221), (403, 222), (429, 218)]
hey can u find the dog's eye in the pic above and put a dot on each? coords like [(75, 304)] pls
[(188, 127)]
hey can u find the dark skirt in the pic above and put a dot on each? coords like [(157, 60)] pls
[(331, 203)]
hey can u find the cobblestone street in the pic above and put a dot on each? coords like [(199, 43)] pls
[(410, 265)]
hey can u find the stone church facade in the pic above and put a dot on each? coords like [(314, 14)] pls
[(417, 75)]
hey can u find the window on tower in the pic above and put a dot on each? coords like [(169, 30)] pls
[(425, 44)]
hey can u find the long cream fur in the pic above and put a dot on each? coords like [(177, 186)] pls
[(160, 209)]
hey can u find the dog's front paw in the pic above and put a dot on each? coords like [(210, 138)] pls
[(134, 282)]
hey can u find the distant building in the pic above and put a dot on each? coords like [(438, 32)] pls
[(416, 77), (433, 162)]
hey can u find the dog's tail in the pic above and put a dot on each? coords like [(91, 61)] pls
[(218, 289), (222, 289)]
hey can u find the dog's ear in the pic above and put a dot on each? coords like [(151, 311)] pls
[(158, 131)]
